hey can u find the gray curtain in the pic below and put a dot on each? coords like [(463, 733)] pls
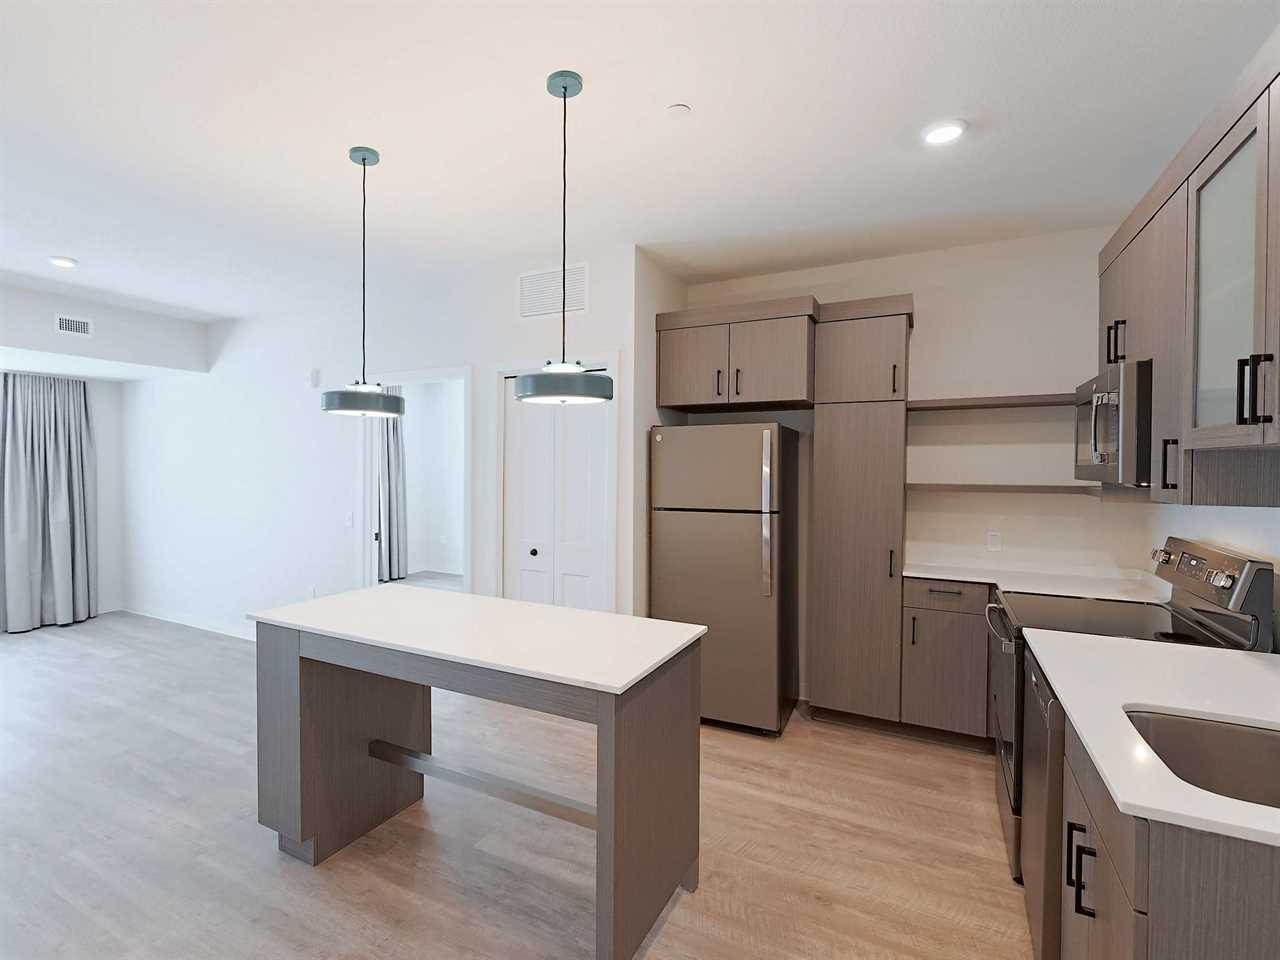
[(393, 525), (49, 494)]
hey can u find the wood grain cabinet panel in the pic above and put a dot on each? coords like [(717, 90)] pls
[(944, 670), (954, 595), (1077, 830), (858, 506), (861, 360), (771, 361), (693, 366)]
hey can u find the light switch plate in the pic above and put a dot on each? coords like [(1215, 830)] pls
[(995, 542)]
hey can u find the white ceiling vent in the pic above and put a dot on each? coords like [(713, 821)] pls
[(540, 291), (74, 326)]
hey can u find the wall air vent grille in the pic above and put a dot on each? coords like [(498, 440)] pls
[(540, 291), (74, 327)]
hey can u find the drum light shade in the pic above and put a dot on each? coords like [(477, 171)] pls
[(564, 383), (362, 400)]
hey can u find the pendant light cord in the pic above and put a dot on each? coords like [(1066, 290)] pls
[(364, 203), (564, 220)]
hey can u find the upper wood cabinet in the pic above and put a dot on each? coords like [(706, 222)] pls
[(857, 360), (763, 362), (693, 364), (771, 361), (1227, 363)]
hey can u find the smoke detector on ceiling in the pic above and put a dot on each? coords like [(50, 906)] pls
[(73, 326)]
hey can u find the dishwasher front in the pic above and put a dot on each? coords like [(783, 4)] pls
[(1043, 726)]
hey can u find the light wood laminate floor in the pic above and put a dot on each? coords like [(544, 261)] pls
[(129, 830)]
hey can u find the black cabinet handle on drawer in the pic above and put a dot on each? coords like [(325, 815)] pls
[(1072, 829), (1242, 366), (1256, 360), (949, 593), (1119, 356), (1081, 853), (1165, 444)]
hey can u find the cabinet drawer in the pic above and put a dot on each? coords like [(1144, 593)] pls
[(1123, 836), (952, 595)]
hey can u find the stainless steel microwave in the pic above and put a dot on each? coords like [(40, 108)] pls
[(1113, 425)]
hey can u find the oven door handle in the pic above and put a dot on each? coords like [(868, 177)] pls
[(1095, 455), (1006, 643)]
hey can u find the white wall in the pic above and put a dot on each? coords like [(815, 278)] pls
[(27, 323), (239, 488), (1018, 316), (434, 432), (105, 403)]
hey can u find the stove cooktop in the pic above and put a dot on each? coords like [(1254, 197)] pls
[(1113, 618)]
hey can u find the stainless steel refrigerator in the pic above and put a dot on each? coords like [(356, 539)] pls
[(723, 552)]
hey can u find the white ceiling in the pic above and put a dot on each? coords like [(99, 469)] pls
[(195, 153)]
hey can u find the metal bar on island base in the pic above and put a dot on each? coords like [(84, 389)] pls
[(500, 788)]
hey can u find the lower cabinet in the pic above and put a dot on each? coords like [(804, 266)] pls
[(944, 670)]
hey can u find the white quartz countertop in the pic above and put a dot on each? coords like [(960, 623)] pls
[(583, 648), (1105, 584), (1097, 678)]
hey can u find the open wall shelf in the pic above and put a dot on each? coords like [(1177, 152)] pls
[(1088, 490), (992, 403)]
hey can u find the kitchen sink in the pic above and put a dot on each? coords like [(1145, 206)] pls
[(1230, 759)]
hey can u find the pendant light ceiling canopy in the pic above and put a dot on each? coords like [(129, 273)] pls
[(362, 399), (564, 382)]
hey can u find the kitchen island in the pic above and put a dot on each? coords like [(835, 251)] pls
[(344, 726)]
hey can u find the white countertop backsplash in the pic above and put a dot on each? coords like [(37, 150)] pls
[(1097, 678), (1106, 583)]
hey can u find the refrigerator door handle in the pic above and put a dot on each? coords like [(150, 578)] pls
[(766, 504)]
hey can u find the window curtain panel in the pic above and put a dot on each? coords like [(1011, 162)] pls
[(393, 524), (49, 494)]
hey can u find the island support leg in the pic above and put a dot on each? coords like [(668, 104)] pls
[(647, 766), (318, 788)]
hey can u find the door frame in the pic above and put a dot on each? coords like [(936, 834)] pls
[(606, 361), (369, 480)]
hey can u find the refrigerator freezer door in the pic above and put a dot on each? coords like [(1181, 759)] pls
[(708, 568), (714, 467)]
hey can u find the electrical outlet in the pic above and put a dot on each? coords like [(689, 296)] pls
[(995, 542), (349, 520)]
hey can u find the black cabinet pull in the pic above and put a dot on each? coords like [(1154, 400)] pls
[(1110, 355), (1242, 365), (913, 631), (949, 593), (1081, 853), (890, 564), (718, 372), (533, 552), (1255, 361), (1165, 444), (1072, 829), (893, 383), (737, 382), (1119, 356)]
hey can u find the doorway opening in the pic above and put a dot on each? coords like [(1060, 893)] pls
[(558, 476), (417, 485)]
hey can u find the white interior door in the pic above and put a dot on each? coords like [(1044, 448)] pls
[(557, 513)]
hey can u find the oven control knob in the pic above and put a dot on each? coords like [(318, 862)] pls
[(1161, 556), (1220, 578)]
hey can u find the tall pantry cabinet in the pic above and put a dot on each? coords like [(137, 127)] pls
[(858, 512)]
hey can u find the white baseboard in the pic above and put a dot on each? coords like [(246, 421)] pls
[(243, 631)]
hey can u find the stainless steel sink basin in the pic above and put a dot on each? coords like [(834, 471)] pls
[(1224, 758)]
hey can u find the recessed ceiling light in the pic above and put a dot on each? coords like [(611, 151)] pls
[(66, 263), (678, 111), (944, 132)]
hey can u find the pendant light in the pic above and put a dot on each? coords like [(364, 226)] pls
[(362, 399), (564, 382)]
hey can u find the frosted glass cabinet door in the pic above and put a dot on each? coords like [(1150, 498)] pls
[(1227, 251)]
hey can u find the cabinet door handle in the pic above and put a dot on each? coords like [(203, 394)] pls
[(718, 373), (1072, 829), (1119, 356), (1081, 853), (893, 383), (913, 631), (1242, 366), (949, 593), (737, 382), (890, 564), (1255, 361), (1165, 444)]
